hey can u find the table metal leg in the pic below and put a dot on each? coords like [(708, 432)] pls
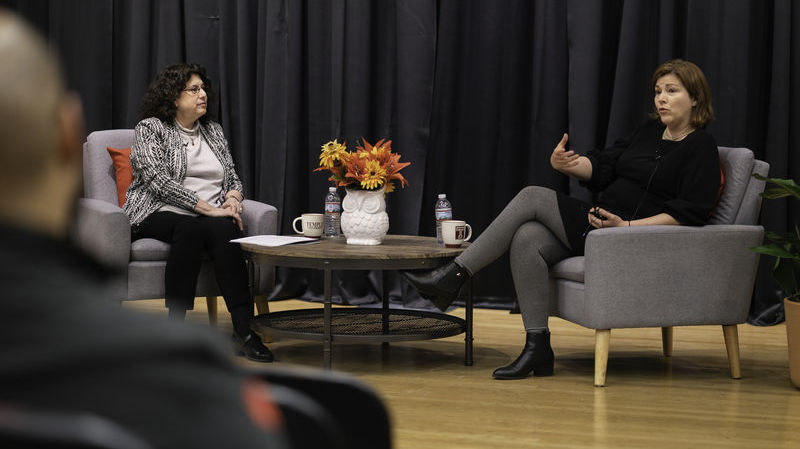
[(468, 336), (328, 343), (385, 308)]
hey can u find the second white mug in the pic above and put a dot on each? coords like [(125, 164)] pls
[(455, 232)]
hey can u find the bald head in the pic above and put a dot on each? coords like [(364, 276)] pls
[(41, 130), (30, 100)]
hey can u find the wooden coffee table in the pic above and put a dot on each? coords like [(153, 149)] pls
[(350, 324)]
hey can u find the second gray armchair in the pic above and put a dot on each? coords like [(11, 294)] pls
[(666, 276), (103, 230)]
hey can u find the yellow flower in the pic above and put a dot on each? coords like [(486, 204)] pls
[(332, 152), (380, 151), (374, 177)]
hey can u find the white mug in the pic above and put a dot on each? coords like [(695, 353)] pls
[(455, 232), (311, 225)]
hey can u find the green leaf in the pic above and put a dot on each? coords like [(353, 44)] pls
[(784, 247), (774, 250), (781, 239), (785, 273), (785, 187), (774, 194)]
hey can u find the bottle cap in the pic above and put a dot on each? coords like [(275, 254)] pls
[(331, 189), (442, 195)]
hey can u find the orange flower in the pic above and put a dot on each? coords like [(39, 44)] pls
[(369, 168)]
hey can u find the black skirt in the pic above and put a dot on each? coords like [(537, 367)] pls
[(573, 215)]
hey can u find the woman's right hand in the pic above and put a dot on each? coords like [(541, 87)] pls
[(561, 159), (569, 162), (204, 208)]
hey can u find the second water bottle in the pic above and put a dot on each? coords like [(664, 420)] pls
[(444, 211), (333, 213)]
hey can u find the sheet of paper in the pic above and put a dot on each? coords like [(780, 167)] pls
[(274, 240)]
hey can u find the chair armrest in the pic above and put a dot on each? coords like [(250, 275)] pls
[(360, 415), (259, 218), (686, 274), (103, 231)]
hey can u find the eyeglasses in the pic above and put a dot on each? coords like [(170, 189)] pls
[(194, 90)]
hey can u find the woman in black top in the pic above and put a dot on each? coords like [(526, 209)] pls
[(666, 173)]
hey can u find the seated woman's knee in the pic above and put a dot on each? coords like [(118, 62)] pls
[(531, 232), (221, 228), (534, 192)]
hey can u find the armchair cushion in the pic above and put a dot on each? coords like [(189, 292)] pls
[(149, 249), (570, 268), (122, 170)]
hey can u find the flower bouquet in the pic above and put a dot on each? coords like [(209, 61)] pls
[(367, 174), (370, 167)]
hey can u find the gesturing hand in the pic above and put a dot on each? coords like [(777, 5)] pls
[(561, 159)]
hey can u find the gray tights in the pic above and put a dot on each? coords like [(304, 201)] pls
[(530, 227)]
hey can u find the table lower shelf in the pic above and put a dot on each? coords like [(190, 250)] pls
[(361, 325)]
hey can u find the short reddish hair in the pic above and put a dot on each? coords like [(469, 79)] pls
[(695, 83)]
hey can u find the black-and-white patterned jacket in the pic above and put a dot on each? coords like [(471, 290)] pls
[(158, 161)]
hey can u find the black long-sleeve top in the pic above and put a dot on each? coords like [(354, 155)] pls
[(644, 175)]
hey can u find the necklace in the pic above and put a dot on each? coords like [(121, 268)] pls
[(680, 136)]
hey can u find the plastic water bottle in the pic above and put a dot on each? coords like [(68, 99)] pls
[(333, 211), (444, 211)]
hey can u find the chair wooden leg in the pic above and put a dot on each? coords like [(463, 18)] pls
[(731, 333), (666, 340), (601, 339), (211, 301), (262, 305)]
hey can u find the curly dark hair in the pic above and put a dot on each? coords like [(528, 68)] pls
[(159, 99)]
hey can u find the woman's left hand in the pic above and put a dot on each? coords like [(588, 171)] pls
[(233, 204), (611, 220)]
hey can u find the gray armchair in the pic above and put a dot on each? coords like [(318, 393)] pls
[(665, 276), (103, 230)]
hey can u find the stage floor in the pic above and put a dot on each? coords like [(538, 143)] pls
[(687, 400)]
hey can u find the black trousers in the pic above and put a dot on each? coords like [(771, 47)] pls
[(190, 238)]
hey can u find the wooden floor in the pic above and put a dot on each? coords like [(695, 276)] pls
[(650, 401)]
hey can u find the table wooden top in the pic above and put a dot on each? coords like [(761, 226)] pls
[(396, 252)]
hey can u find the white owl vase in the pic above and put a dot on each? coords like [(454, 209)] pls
[(364, 218)]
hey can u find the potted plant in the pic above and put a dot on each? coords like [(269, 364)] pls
[(786, 271)]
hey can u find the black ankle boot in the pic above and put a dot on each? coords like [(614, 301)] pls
[(440, 285), (252, 348), (537, 357)]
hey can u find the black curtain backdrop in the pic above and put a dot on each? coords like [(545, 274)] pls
[(474, 93)]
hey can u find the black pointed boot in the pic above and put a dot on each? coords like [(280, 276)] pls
[(537, 357), (440, 285)]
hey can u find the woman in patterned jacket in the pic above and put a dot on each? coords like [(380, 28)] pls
[(185, 192)]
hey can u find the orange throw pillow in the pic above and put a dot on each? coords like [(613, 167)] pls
[(122, 168)]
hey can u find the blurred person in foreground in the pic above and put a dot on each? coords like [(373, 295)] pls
[(65, 346)]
